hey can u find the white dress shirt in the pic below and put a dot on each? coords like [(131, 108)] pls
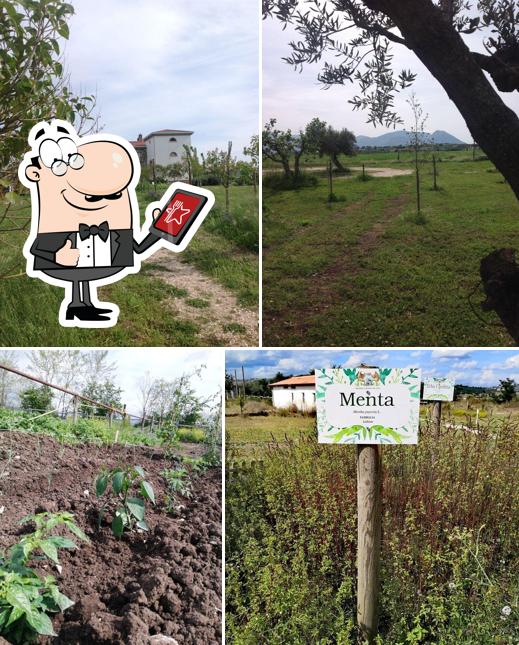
[(93, 252)]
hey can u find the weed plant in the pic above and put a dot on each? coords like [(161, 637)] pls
[(450, 560)]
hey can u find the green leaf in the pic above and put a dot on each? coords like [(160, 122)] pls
[(117, 481), (140, 471), (16, 597), (62, 542), (101, 484), (136, 507), (40, 622), (143, 525), (60, 599), (4, 615), (16, 613), (73, 528), (117, 526), (147, 491), (50, 550)]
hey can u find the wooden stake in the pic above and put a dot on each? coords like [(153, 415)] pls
[(437, 417), (75, 409), (369, 531)]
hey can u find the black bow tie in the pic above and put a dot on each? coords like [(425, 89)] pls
[(102, 230)]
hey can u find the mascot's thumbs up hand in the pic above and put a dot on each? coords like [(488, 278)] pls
[(67, 256)]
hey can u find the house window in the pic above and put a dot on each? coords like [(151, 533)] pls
[(303, 395), (292, 397), (314, 397), (172, 139), (173, 154)]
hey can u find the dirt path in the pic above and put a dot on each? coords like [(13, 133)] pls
[(347, 264), (213, 308), (375, 171)]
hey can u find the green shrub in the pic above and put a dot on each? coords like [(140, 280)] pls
[(240, 226), (278, 181)]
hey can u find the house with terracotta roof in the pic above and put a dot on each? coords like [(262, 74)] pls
[(162, 147), (298, 391)]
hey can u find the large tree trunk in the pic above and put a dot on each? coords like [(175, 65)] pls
[(442, 50)]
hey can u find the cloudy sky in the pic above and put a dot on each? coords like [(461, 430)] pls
[(465, 366), (295, 98), (162, 64), (166, 363)]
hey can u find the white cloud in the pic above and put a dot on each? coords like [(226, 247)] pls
[(450, 353), (162, 64)]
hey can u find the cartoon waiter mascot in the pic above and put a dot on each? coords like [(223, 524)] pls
[(85, 227)]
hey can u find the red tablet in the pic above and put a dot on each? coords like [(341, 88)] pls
[(179, 214)]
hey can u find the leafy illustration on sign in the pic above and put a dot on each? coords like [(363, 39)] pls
[(378, 408)]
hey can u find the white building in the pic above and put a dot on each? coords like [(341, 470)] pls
[(296, 390), (162, 147)]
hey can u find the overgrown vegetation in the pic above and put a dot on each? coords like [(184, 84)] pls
[(449, 557), (84, 431), (26, 598)]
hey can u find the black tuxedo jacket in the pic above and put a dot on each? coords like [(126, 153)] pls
[(123, 245)]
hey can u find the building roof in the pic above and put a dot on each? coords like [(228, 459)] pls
[(307, 379), (138, 144), (166, 132)]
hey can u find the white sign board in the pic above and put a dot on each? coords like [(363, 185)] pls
[(438, 389), (368, 405)]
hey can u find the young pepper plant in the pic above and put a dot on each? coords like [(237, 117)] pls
[(25, 598), (130, 513)]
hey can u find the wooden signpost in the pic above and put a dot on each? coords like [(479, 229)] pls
[(368, 406), (437, 390)]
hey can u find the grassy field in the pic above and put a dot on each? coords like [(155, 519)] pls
[(449, 562), (365, 270), (248, 437), (228, 254)]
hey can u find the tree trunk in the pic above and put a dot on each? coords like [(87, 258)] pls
[(297, 161), (442, 50), (338, 164)]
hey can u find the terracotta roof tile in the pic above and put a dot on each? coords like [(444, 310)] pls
[(307, 379)]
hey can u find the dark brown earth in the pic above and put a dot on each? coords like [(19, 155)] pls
[(147, 588)]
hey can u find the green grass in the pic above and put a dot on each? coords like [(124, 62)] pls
[(227, 249), (449, 558), (247, 436), (367, 271), (29, 311)]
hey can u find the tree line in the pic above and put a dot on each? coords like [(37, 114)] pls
[(94, 375), (287, 148)]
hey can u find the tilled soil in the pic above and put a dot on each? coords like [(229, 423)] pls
[(156, 587)]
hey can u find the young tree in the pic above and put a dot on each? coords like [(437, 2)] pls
[(418, 138), (434, 31), (146, 388), (7, 379), (221, 164), (191, 164), (33, 86), (252, 151)]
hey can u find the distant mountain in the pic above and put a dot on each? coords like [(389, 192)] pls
[(401, 138)]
